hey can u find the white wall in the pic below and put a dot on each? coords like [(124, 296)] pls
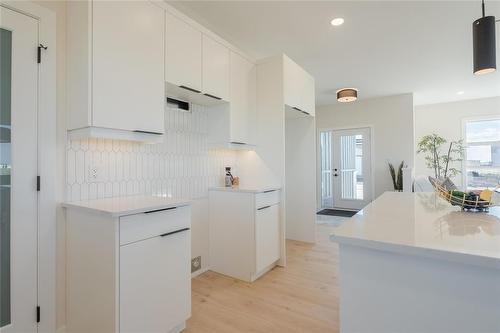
[(300, 178), (392, 124), (445, 119)]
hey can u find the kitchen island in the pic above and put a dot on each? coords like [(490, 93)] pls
[(411, 262)]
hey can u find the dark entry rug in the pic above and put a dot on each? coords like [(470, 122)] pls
[(337, 212)]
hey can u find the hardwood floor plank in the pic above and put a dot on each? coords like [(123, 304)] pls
[(301, 297)]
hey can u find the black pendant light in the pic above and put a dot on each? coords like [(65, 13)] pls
[(483, 35)]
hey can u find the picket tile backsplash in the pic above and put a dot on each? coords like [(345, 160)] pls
[(181, 166)]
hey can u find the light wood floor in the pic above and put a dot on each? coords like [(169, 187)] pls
[(302, 297)]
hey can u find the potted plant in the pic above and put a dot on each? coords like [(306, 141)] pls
[(397, 176), (439, 158)]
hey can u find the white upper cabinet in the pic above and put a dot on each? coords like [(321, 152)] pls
[(243, 100), (233, 125), (116, 69), (298, 88), (215, 77), (183, 55)]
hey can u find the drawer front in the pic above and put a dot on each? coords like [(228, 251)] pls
[(151, 224), (267, 198)]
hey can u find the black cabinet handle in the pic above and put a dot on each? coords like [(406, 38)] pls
[(174, 232), (159, 210), (304, 112), (237, 143), (148, 132), (296, 108), (190, 89), (265, 207), (269, 191), (213, 96)]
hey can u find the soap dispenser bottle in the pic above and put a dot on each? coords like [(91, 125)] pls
[(228, 180)]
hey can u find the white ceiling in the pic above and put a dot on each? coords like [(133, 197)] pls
[(383, 48)]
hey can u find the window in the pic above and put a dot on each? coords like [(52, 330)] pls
[(482, 138)]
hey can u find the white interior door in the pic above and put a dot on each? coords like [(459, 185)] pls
[(352, 180), (18, 171)]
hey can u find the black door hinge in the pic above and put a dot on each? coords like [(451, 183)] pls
[(39, 54), (38, 183), (38, 314)]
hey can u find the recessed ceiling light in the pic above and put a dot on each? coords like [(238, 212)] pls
[(461, 92), (337, 21)]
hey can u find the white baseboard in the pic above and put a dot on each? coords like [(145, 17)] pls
[(199, 272)]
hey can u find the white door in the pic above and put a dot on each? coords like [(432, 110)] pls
[(128, 65), (18, 171), (155, 283), (352, 183), (215, 69), (267, 236)]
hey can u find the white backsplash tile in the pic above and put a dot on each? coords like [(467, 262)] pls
[(181, 166)]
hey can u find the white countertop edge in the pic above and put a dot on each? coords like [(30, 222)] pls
[(456, 257), (87, 206), (244, 190)]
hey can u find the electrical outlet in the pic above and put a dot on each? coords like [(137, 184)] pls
[(195, 264), (95, 173)]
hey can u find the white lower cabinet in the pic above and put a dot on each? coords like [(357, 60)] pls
[(267, 235), (246, 236), (128, 273), (154, 283)]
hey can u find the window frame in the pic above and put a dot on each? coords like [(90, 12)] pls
[(464, 138)]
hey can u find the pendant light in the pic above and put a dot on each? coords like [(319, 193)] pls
[(347, 95), (483, 36)]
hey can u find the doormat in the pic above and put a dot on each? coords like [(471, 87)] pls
[(337, 212)]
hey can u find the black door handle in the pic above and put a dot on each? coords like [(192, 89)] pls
[(213, 96), (265, 207), (174, 232), (190, 89), (336, 175)]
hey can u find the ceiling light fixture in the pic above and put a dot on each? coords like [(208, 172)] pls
[(483, 40), (461, 92), (337, 21), (347, 95)]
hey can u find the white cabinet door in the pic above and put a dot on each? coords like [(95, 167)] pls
[(215, 69), (128, 83), (292, 83), (183, 54), (155, 283), (267, 236), (243, 99), (308, 94)]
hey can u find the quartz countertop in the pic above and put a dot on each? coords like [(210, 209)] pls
[(121, 206), (425, 224), (245, 189)]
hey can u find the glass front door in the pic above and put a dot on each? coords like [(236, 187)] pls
[(351, 168), (18, 171)]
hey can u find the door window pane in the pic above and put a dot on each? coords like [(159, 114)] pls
[(351, 166), (326, 169), (483, 154), (5, 171)]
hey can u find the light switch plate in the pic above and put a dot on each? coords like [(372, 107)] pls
[(195, 264)]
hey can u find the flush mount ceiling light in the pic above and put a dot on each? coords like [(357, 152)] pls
[(461, 92), (483, 39), (337, 21), (347, 95)]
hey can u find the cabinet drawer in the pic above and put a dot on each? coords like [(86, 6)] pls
[(267, 198), (151, 224)]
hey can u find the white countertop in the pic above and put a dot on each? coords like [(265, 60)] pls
[(424, 223), (245, 189), (122, 206)]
